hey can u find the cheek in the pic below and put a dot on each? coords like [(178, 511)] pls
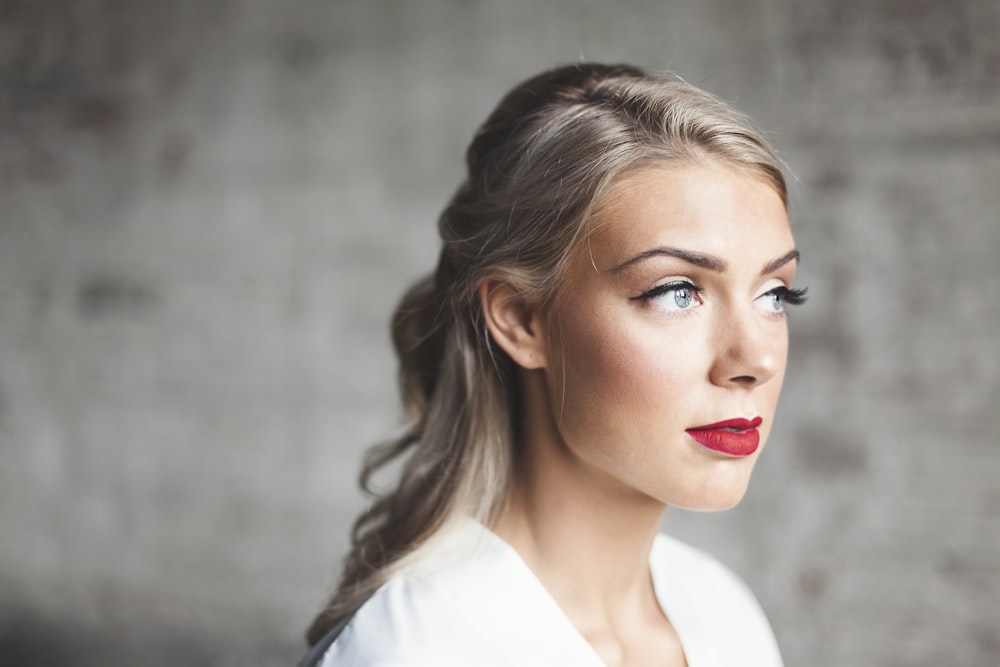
[(769, 394), (609, 373), (773, 386)]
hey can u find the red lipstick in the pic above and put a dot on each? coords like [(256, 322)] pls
[(736, 437)]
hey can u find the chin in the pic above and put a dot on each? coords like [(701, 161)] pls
[(711, 500)]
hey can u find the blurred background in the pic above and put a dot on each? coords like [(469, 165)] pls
[(208, 210)]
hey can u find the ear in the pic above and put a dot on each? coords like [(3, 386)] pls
[(514, 323)]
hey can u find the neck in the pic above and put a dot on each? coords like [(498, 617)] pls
[(587, 558), (585, 535)]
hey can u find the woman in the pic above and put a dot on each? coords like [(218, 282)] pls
[(604, 337)]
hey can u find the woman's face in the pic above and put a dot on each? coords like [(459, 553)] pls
[(671, 318)]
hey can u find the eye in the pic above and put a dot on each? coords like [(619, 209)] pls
[(774, 300), (676, 295)]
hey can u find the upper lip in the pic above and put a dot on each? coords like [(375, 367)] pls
[(738, 424)]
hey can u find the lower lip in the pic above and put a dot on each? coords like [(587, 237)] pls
[(734, 443)]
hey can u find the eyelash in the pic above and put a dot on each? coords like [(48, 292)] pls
[(790, 296), (669, 287)]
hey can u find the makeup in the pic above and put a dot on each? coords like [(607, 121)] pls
[(736, 437), (669, 342)]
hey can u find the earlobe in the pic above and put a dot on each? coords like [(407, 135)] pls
[(514, 324)]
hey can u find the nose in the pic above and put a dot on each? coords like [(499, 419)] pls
[(749, 350)]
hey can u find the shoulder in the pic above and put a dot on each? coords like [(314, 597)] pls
[(435, 611), (405, 625), (711, 607)]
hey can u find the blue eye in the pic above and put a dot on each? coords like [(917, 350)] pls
[(774, 300), (681, 297), (677, 295)]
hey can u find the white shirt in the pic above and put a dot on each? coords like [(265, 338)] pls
[(468, 600)]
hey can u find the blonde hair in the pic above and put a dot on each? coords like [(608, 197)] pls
[(535, 171)]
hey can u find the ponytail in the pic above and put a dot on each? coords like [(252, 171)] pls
[(446, 390)]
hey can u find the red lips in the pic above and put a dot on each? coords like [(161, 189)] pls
[(736, 437)]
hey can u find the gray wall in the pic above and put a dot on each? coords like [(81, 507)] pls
[(208, 210)]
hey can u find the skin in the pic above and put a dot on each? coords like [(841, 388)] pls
[(612, 381)]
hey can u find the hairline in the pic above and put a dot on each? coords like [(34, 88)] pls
[(598, 214)]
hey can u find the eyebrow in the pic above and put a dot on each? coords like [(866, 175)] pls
[(709, 262), (771, 267), (696, 258)]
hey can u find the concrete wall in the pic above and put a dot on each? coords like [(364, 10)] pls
[(208, 210)]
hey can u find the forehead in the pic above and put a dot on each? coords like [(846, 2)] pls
[(709, 207)]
